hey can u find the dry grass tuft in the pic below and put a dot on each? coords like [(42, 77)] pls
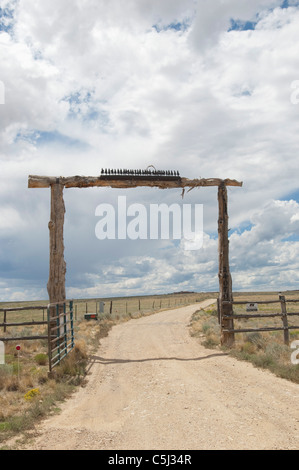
[(263, 349)]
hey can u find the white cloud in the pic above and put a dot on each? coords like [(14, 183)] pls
[(213, 19), (10, 219), (126, 84), (260, 260)]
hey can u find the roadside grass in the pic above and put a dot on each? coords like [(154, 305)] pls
[(27, 392), (265, 350)]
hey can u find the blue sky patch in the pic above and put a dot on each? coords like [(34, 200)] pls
[(238, 25), (287, 4), (41, 138), (90, 111), (244, 227), (292, 238), (179, 26), (55, 137), (6, 19), (291, 196)]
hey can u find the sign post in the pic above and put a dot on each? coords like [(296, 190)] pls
[(18, 347)]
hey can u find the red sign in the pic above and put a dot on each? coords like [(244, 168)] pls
[(18, 348)]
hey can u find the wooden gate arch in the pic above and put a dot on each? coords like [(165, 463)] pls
[(133, 179)]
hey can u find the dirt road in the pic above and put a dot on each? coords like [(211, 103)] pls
[(153, 387)]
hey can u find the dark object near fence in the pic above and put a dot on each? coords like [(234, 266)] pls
[(91, 316)]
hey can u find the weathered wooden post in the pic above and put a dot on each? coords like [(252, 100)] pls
[(225, 281), (284, 317), (57, 270)]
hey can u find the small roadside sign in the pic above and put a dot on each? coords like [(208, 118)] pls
[(91, 316), (251, 307)]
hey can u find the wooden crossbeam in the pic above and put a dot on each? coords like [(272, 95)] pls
[(96, 181)]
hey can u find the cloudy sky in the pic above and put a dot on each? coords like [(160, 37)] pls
[(208, 88)]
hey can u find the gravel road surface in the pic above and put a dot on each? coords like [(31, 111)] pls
[(153, 387)]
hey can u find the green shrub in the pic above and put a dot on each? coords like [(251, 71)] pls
[(41, 359), (264, 361), (276, 350), (206, 327), (248, 348), (5, 374), (211, 341), (255, 338)]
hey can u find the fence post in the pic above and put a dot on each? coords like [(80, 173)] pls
[(111, 308), (225, 281), (4, 321), (284, 317)]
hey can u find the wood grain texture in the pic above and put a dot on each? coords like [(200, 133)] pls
[(35, 181), (56, 283), (225, 280)]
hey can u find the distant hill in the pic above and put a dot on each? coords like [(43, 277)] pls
[(182, 292)]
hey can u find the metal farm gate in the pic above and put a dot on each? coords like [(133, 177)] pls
[(60, 328), (61, 339)]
